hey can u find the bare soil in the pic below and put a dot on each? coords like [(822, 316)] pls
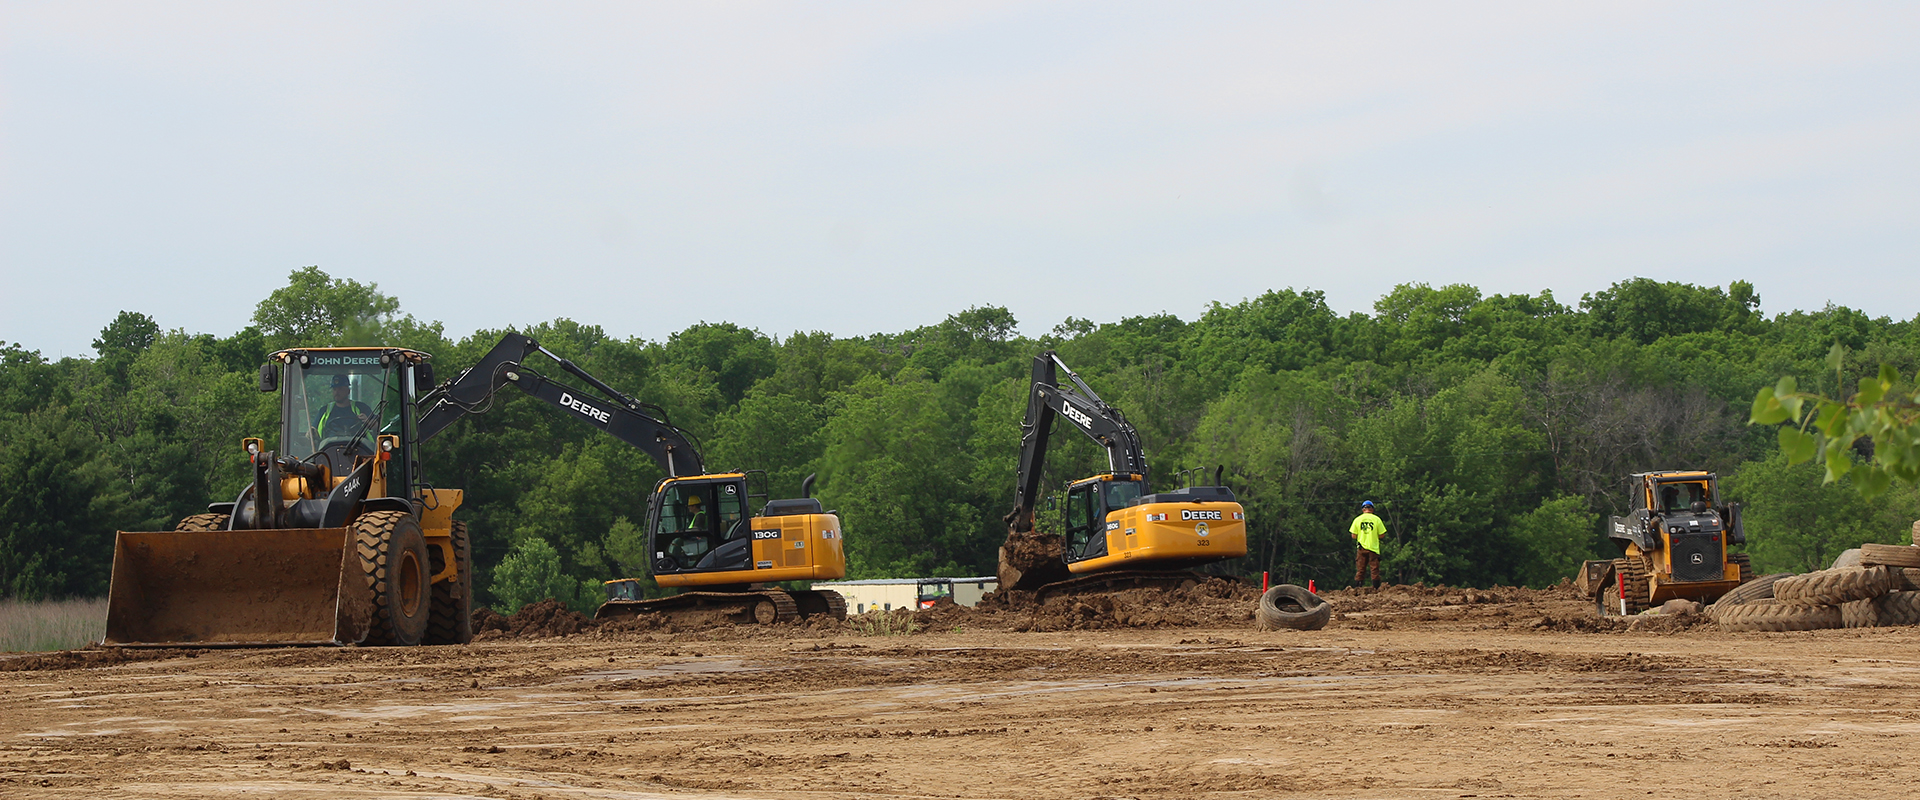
[(1408, 692)]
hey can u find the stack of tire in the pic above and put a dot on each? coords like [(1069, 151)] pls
[(1884, 591)]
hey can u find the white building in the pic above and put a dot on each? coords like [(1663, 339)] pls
[(887, 594)]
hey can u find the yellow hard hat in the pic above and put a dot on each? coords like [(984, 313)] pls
[(693, 500)]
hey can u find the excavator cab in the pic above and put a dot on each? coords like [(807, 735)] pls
[(1089, 502)]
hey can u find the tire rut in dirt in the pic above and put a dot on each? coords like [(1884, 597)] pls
[(1292, 607), (450, 620), (1831, 587), (203, 522), (393, 557), (1773, 615), (1892, 555)]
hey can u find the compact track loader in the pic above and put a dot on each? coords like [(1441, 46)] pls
[(1674, 544), (335, 540), (1119, 532)]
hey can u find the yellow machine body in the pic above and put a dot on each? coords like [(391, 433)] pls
[(1142, 536), (779, 546)]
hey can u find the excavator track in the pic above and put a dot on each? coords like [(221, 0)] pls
[(814, 602), (1115, 581), (757, 607)]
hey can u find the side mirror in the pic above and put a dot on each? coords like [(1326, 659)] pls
[(269, 377), (423, 378)]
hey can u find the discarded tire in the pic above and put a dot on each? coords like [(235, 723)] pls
[(1291, 607), (1831, 587), (1898, 608), (1773, 615), (1760, 588), (1847, 558), (1860, 614), (1905, 579), (1892, 555)]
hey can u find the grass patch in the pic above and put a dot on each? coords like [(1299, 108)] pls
[(898, 622), (51, 624)]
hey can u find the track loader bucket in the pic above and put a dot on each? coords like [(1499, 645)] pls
[(235, 588)]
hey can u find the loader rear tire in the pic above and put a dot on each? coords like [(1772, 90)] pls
[(1831, 587), (203, 522), (450, 621), (1773, 615), (1892, 555), (1292, 607), (393, 556)]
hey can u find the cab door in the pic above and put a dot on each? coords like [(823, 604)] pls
[(1086, 534)]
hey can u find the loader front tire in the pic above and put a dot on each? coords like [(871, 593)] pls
[(203, 522), (450, 621), (393, 556)]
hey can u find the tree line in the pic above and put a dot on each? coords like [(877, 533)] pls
[(1494, 433)]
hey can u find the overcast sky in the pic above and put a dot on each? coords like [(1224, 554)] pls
[(856, 168)]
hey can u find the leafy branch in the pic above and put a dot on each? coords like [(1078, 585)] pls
[(1881, 410)]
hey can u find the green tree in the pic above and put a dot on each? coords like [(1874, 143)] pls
[(531, 573), (315, 309)]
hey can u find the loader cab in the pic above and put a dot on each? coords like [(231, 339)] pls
[(338, 403), (700, 524), (1088, 503)]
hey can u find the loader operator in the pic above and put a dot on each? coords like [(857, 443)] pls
[(1366, 530), (342, 417)]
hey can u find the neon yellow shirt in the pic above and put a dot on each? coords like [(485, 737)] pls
[(1367, 528)]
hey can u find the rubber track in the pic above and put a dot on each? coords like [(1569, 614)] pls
[(737, 605), (203, 522), (1745, 563), (1115, 581), (450, 618), (373, 537), (1831, 587), (1892, 555), (1898, 608), (817, 602), (1773, 615), (1637, 591)]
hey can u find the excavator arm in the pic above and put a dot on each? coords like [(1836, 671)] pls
[(1080, 406), (623, 417)]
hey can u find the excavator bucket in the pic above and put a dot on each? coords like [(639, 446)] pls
[(237, 588)]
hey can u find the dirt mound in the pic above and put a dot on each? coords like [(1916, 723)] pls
[(1214, 602), (545, 619)]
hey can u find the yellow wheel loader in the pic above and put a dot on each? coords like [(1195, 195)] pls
[(1674, 544), (335, 540), (702, 536), (1119, 532)]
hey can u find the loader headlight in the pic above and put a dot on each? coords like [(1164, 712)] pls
[(387, 445), (253, 448)]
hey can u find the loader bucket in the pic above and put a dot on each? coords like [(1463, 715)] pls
[(237, 588)]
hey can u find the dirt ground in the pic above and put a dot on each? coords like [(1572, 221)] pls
[(1407, 693)]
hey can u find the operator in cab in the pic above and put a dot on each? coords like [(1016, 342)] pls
[(343, 417)]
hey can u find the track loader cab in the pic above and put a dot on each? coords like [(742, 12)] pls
[(333, 540), (1675, 542)]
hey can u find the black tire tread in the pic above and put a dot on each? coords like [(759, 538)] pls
[(1897, 609), (374, 535), (1760, 588), (1773, 615), (450, 619), (1831, 587)]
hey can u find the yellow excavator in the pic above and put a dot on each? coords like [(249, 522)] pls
[(701, 535), (335, 540), (1118, 532)]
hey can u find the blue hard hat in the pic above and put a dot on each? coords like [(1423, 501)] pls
[(1366, 504)]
